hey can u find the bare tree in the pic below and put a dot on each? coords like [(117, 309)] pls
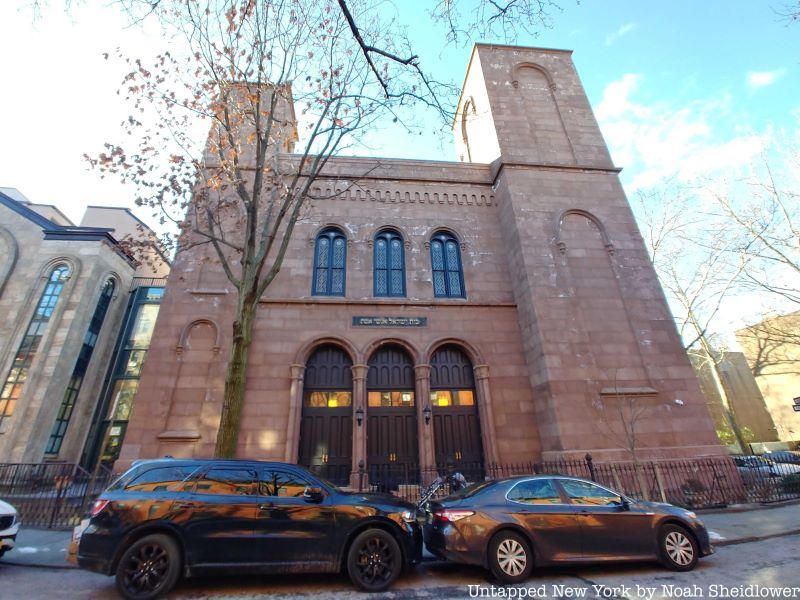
[(699, 271), (241, 69)]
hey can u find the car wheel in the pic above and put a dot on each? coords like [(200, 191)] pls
[(679, 550), (149, 568), (374, 560), (510, 557)]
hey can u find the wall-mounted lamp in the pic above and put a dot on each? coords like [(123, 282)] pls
[(359, 416), (426, 412)]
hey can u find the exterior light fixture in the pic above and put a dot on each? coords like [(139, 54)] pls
[(426, 412), (359, 416)]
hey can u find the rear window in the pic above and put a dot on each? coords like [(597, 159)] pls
[(471, 490), (161, 479)]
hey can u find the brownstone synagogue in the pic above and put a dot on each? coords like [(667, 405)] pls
[(488, 310)]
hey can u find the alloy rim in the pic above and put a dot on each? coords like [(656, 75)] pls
[(512, 557), (679, 548), (146, 570), (375, 561)]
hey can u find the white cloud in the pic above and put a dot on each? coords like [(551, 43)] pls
[(759, 79), (623, 30), (658, 141)]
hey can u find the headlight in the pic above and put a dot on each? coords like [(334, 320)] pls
[(692, 515), (408, 516)]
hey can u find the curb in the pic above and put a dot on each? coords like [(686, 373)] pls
[(740, 508), (756, 538), (37, 566)]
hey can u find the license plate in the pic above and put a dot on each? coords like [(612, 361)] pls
[(77, 532)]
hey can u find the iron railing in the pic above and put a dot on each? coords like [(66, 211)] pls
[(694, 483), (50, 495)]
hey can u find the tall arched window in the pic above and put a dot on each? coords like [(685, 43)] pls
[(15, 380), (448, 277), (79, 372), (330, 254), (389, 265)]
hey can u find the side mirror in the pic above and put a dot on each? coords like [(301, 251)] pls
[(624, 505), (313, 494)]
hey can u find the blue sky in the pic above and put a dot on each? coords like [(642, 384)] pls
[(677, 86)]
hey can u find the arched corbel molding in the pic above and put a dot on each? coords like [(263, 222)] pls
[(562, 245), (390, 227), (10, 261), (434, 230), (307, 349), (348, 236), (551, 84), (531, 65), (375, 345), (184, 336), (475, 356)]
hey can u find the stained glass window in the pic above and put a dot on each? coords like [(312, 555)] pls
[(389, 265), (448, 276), (330, 256)]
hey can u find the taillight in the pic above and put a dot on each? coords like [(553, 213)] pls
[(450, 515), (98, 507)]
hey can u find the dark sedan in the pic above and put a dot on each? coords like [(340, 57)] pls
[(509, 525), (167, 518)]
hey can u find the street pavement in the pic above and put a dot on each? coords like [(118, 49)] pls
[(755, 547), (735, 569)]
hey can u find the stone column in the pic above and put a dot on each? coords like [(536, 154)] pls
[(359, 432), (427, 455), (295, 408), (486, 413)]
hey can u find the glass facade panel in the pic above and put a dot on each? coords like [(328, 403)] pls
[(12, 387), (122, 382), (79, 371)]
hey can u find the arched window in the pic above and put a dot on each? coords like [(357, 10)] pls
[(389, 265), (330, 254), (79, 372), (15, 380), (448, 277)]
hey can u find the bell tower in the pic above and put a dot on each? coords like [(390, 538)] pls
[(596, 327)]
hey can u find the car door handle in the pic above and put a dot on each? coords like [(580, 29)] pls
[(266, 506), (185, 505)]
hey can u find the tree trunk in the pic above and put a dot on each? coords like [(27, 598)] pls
[(236, 378)]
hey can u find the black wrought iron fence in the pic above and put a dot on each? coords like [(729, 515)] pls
[(694, 483), (50, 495)]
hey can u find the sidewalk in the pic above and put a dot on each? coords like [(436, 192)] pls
[(48, 548)]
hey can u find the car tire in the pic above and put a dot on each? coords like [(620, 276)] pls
[(510, 557), (678, 548), (149, 568), (374, 560)]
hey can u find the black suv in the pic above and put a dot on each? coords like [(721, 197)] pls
[(168, 517)]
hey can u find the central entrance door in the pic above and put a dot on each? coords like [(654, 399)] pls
[(326, 425), (392, 449), (456, 422)]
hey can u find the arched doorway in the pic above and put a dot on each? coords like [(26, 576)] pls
[(326, 424), (456, 422), (392, 450)]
